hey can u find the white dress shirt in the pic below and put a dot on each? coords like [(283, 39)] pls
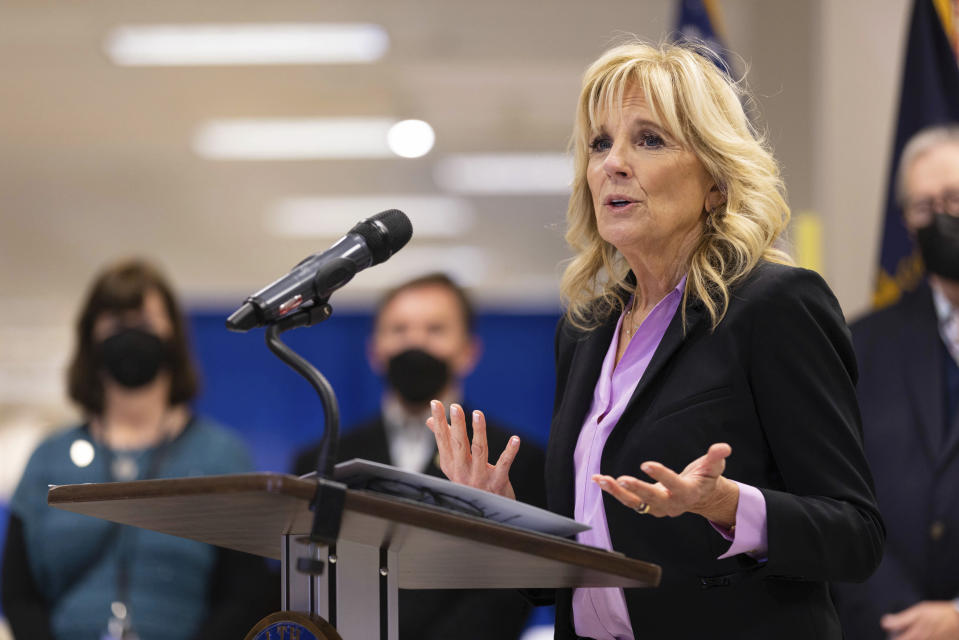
[(948, 321), (412, 444)]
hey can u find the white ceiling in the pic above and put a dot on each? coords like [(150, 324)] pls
[(96, 159)]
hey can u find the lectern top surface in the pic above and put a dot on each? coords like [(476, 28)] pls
[(437, 548)]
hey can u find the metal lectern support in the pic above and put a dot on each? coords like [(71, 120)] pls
[(358, 593), (331, 408)]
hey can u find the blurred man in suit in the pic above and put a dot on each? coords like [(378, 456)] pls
[(424, 345), (909, 393)]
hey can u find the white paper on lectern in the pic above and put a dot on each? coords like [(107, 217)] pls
[(357, 472)]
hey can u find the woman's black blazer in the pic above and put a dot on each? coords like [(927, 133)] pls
[(775, 380)]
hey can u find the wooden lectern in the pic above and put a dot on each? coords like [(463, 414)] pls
[(385, 543)]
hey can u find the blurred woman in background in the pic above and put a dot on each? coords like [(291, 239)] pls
[(72, 577)]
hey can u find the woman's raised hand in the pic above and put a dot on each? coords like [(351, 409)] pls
[(700, 488), (466, 462)]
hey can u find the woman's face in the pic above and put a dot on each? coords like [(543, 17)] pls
[(152, 316), (648, 192)]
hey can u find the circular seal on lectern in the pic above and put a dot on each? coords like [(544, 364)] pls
[(292, 625)]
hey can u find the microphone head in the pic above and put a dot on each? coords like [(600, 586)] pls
[(243, 319), (385, 233)]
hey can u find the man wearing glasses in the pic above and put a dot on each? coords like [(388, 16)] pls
[(424, 346), (909, 393)]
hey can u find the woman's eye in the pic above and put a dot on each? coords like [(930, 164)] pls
[(652, 140), (600, 144)]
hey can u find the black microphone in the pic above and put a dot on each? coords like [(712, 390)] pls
[(313, 280)]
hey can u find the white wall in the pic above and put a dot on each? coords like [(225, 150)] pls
[(826, 75), (858, 53)]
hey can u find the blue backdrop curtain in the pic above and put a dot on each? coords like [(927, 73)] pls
[(276, 411)]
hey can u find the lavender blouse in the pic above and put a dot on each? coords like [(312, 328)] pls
[(601, 613)]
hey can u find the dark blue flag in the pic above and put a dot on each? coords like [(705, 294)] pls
[(700, 21), (930, 96)]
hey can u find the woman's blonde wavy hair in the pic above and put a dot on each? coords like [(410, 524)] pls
[(700, 106)]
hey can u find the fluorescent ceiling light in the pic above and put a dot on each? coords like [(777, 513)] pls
[(432, 216), (295, 138), (411, 138), (505, 173), (246, 44)]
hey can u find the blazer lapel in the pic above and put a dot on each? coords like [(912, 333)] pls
[(922, 371), (672, 340), (952, 441), (379, 445), (583, 373)]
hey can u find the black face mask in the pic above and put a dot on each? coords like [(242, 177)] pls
[(133, 357), (417, 376), (939, 245)]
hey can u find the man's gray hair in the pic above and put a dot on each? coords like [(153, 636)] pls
[(924, 141)]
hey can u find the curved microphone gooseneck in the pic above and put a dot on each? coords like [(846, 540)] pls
[(331, 408)]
